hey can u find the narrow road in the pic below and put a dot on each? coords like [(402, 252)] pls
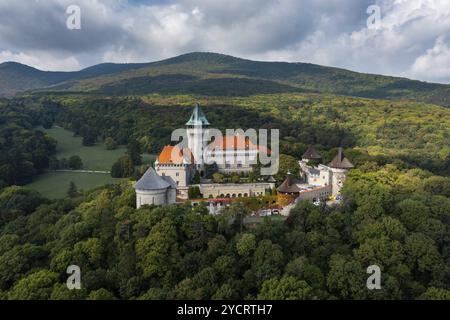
[(80, 171)]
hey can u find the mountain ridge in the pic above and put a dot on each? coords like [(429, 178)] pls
[(192, 72)]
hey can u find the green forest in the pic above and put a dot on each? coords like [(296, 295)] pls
[(395, 213), (395, 218), (408, 134)]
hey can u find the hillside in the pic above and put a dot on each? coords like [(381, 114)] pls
[(16, 77), (211, 74)]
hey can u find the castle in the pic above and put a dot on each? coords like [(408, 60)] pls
[(333, 175), (176, 167), (320, 181), (237, 152)]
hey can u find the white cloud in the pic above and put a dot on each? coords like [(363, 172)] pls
[(42, 60), (434, 64), (330, 32)]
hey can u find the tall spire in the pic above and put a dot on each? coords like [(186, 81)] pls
[(198, 118)]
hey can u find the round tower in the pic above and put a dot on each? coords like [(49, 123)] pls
[(339, 167), (152, 189), (288, 191)]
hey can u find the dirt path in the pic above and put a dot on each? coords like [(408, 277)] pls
[(80, 171)]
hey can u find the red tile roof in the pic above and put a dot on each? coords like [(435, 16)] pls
[(238, 142), (174, 155)]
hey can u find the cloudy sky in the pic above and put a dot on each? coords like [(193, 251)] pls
[(412, 39)]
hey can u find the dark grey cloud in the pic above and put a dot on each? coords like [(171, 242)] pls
[(41, 25)]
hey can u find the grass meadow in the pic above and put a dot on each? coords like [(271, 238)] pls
[(54, 185)]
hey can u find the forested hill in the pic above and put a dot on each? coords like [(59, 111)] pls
[(218, 75)]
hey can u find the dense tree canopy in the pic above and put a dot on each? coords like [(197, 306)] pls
[(24, 151), (182, 252), (395, 213)]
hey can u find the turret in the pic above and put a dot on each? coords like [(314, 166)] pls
[(340, 161), (288, 191), (311, 154), (196, 128), (339, 167), (153, 189)]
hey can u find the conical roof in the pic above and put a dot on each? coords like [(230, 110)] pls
[(151, 181), (198, 118), (311, 154), (340, 161), (288, 186)]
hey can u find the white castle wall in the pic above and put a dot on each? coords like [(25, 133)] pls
[(158, 197), (323, 178), (180, 173), (326, 177), (233, 161), (234, 190), (337, 180)]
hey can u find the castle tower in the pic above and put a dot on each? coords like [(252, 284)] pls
[(153, 189), (196, 128), (311, 154), (307, 164), (288, 191), (339, 167)]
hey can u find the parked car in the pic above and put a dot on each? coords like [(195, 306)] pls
[(265, 213)]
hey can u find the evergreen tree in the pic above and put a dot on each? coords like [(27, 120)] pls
[(194, 192), (134, 152), (122, 168), (75, 163), (196, 179), (72, 192), (89, 135)]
